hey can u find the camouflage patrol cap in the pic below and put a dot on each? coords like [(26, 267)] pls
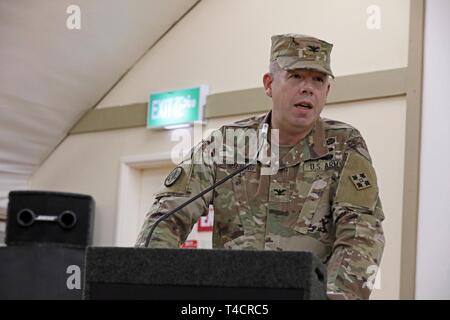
[(297, 51)]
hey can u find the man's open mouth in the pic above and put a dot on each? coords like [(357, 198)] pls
[(305, 105)]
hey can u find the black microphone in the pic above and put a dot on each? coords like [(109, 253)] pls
[(264, 132)]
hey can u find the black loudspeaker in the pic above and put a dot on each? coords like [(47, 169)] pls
[(45, 217)]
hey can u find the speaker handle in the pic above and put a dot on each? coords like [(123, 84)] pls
[(26, 218)]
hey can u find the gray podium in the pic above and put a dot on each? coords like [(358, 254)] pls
[(183, 274)]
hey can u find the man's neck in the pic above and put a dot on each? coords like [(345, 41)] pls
[(290, 138)]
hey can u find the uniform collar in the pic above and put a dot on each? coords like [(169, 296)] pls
[(316, 142), (313, 146)]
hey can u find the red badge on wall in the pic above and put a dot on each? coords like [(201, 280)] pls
[(205, 224), (190, 244)]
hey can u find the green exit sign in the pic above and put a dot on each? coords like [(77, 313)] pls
[(175, 108)]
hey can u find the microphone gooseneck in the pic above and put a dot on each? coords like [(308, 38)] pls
[(264, 132)]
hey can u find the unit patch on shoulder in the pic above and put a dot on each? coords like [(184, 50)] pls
[(173, 176), (360, 181), (357, 184)]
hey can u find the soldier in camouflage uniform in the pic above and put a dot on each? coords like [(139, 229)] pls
[(322, 198)]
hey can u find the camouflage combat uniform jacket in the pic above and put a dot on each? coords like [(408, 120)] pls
[(323, 199)]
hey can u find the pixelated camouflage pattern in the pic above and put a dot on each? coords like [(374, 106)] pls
[(296, 51), (296, 209)]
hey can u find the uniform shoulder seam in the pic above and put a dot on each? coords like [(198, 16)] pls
[(244, 123), (331, 124)]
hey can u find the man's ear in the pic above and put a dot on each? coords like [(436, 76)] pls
[(267, 81), (328, 89)]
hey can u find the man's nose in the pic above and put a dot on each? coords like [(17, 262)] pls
[(306, 89)]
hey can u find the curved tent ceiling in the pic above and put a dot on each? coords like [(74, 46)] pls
[(51, 75)]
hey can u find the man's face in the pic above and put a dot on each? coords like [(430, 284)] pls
[(298, 98)]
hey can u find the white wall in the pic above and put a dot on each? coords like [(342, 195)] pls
[(226, 44), (433, 248)]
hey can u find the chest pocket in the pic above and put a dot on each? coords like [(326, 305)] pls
[(314, 188), (239, 187), (246, 185)]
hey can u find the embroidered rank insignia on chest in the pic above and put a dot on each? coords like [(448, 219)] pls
[(331, 144), (279, 192), (173, 176), (331, 141), (360, 181)]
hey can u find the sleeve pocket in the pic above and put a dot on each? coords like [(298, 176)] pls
[(313, 195)]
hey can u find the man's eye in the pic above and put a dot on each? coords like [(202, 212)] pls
[(320, 79)]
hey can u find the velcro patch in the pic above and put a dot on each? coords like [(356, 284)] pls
[(358, 183), (321, 165), (173, 176), (177, 181), (235, 166), (279, 192)]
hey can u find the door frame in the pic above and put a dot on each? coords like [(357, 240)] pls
[(129, 192)]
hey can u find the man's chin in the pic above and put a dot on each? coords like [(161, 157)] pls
[(303, 124)]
